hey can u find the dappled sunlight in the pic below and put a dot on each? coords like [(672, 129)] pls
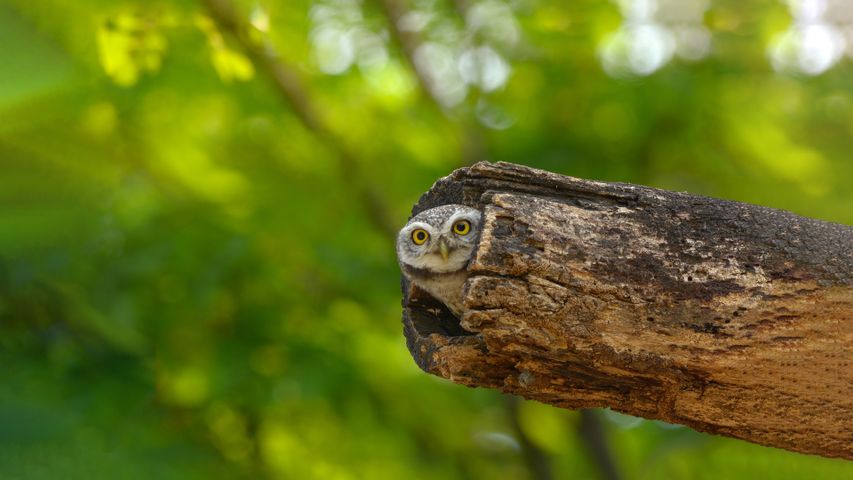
[(341, 39), (818, 38), (652, 32), (451, 60)]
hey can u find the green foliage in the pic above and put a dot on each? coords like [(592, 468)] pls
[(192, 284)]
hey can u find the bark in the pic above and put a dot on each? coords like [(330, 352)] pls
[(730, 318)]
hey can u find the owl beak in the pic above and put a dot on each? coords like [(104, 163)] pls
[(442, 248)]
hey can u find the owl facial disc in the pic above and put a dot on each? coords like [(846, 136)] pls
[(440, 240)]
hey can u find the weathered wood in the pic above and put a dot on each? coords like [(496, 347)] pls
[(730, 318)]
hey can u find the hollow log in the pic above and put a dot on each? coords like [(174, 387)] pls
[(730, 318)]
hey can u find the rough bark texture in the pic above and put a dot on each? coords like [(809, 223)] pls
[(730, 318)]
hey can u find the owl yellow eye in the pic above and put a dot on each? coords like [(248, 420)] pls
[(462, 227), (420, 236)]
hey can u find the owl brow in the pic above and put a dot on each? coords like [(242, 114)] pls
[(461, 216), (418, 225)]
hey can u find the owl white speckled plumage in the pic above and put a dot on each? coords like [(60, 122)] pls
[(434, 249)]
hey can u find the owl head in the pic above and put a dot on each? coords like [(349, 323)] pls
[(441, 239)]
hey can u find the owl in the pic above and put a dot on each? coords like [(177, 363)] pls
[(434, 249)]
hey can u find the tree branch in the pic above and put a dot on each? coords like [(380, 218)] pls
[(472, 145), (730, 318), (536, 459), (409, 42), (287, 83), (592, 432)]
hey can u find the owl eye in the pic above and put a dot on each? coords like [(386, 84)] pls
[(420, 236), (462, 227)]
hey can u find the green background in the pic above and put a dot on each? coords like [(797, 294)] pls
[(197, 277)]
